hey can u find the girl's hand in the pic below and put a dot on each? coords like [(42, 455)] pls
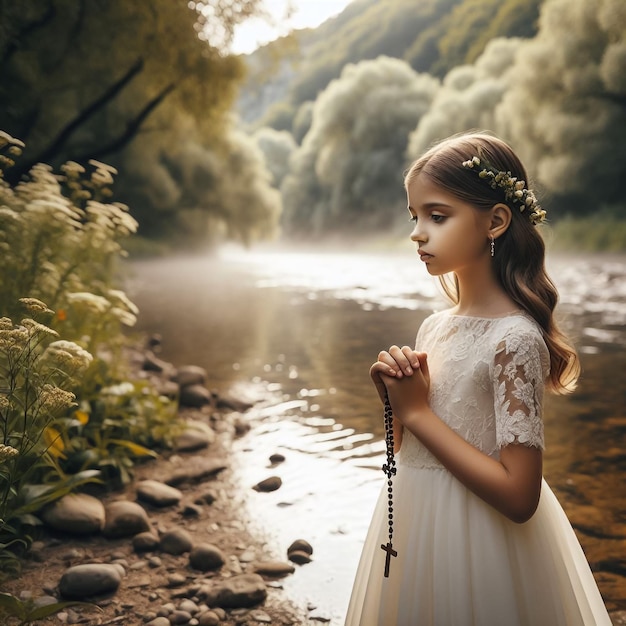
[(397, 363), (409, 396)]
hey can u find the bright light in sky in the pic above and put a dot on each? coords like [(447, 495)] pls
[(256, 32)]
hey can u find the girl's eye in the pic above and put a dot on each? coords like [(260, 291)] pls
[(435, 217)]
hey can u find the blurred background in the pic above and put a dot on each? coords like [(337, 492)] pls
[(260, 145)]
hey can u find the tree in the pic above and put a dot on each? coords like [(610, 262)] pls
[(84, 79), (348, 170), (566, 108)]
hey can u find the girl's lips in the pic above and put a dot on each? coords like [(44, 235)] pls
[(424, 256)]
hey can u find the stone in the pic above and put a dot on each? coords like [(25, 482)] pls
[(196, 470), (206, 497), (269, 484), (125, 519), (206, 557), (167, 388), (300, 557), (179, 617), (87, 580), (210, 618), (190, 375), (302, 545), (145, 542), (277, 458), (176, 541), (157, 493), (42, 601), (188, 605), (76, 514), (152, 363), (159, 621), (194, 396), (274, 569), (176, 580), (243, 591), (196, 436), (260, 616)]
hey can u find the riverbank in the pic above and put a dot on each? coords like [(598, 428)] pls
[(184, 542)]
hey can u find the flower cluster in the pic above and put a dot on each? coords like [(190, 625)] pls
[(515, 191)]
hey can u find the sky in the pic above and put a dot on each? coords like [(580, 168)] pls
[(307, 14)]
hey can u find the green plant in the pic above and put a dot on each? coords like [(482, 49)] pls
[(37, 373), (27, 612)]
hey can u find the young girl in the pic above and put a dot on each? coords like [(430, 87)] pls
[(478, 538)]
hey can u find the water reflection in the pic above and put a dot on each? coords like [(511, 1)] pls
[(298, 331)]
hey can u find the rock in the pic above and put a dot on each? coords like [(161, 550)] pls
[(190, 375), (76, 514), (210, 618), (260, 616), (269, 484), (92, 579), (152, 363), (299, 557), (189, 605), (231, 404), (194, 396), (277, 458), (176, 580), (145, 542), (196, 436), (243, 591), (196, 470), (301, 545), (157, 493), (159, 621), (167, 388), (275, 569), (206, 497), (206, 556), (124, 519), (176, 541), (179, 617), (191, 510)]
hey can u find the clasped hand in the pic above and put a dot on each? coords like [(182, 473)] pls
[(402, 374)]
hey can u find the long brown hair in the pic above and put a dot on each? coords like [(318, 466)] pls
[(519, 259)]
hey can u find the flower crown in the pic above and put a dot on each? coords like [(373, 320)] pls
[(514, 190)]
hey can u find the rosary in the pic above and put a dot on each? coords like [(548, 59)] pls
[(390, 470)]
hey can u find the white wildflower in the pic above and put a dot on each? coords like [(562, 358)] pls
[(97, 304), (121, 389), (126, 318), (6, 452), (121, 297), (68, 353), (102, 166), (35, 328), (35, 306), (54, 399)]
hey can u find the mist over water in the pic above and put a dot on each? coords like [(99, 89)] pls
[(297, 332)]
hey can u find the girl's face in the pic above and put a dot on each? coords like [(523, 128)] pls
[(452, 235)]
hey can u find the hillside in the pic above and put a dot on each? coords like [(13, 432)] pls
[(433, 36)]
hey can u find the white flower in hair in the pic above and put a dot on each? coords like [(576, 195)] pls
[(515, 191)]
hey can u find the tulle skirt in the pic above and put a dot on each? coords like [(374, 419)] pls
[(461, 563)]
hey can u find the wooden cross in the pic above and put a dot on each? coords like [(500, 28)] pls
[(388, 548)]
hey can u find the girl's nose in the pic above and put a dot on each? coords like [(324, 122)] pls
[(417, 235)]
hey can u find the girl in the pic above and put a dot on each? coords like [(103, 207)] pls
[(477, 536)]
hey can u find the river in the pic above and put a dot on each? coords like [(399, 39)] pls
[(296, 331)]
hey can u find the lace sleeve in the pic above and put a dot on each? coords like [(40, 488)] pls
[(521, 366)]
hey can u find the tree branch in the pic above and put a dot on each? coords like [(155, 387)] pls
[(132, 127), (68, 130)]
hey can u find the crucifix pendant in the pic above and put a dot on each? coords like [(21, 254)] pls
[(388, 548)]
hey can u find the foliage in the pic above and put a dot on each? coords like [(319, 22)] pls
[(126, 81), (68, 411), (604, 232), (37, 375), (566, 109), (433, 36), (27, 612), (277, 147), (347, 173)]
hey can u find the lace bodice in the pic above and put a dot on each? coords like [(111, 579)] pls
[(487, 382)]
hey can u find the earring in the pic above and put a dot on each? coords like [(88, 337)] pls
[(492, 245)]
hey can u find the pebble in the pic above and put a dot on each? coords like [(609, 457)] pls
[(159, 621), (75, 514), (190, 375), (210, 618), (301, 545), (206, 556), (145, 542), (176, 541), (274, 568), (91, 579), (245, 590), (157, 493), (269, 484), (299, 557), (124, 519), (176, 580), (195, 470), (194, 396)]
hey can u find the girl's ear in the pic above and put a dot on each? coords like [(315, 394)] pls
[(500, 220)]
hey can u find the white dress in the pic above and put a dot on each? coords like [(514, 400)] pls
[(459, 561)]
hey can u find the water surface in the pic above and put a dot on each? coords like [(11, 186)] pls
[(297, 332)]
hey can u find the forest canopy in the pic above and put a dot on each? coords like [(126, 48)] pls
[(145, 87)]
